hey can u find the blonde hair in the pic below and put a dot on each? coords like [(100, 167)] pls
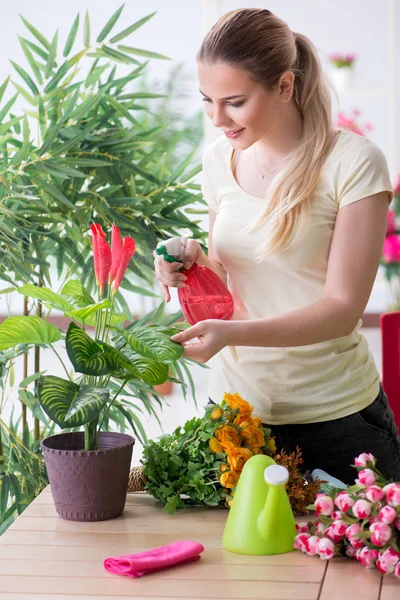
[(260, 43)]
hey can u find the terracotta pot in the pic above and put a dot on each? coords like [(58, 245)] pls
[(88, 485), (165, 389)]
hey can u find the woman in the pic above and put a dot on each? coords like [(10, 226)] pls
[(298, 214)]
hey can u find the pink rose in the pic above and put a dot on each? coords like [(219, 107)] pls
[(397, 523), (326, 548), (387, 561), (311, 545), (351, 551), (393, 495), (344, 502), (381, 533), (320, 527), (387, 514), (351, 532), (391, 224), (366, 477), (336, 515), (374, 493), (397, 570), (302, 527), (367, 557), (396, 187), (362, 509), (324, 505), (391, 249), (300, 541), (365, 460)]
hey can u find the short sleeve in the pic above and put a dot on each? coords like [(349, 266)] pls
[(365, 174), (207, 187)]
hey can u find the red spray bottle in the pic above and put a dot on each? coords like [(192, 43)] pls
[(205, 295)]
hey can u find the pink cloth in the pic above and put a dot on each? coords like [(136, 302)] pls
[(137, 565)]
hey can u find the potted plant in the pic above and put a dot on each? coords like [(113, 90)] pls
[(342, 70), (89, 469)]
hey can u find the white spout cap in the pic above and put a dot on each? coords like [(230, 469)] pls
[(175, 246), (276, 475)]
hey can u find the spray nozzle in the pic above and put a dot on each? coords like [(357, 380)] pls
[(173, 249)]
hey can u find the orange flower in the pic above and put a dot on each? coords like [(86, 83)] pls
[(229, 479), (217, 413), (215, 446), (223, 467), (243, 420), (238, 457), (227, 436), (254, 437), (236, 401), (256, 421)]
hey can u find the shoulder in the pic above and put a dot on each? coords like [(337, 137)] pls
[(354, 149)]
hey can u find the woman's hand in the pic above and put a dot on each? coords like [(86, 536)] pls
[(168, 274), (212, 337)]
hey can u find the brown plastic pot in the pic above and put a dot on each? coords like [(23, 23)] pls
[(88, 485)]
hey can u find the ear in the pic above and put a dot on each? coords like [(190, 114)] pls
[(285, 85)]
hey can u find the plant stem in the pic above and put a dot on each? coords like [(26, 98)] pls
[(39, 313), (62, 362), (26, 313), (115, 396)]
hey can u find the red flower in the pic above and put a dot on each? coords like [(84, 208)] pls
[(101, 255), (128, 250), (117, 246)]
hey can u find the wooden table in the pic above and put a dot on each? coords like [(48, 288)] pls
[(44, 557)]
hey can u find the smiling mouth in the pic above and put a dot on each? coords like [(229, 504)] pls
[(232, 132)]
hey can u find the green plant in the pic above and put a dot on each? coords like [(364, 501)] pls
[(119, 354), (88, 147)]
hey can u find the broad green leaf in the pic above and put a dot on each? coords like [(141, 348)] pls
[(52, 55), (52, 299), (113, 320), (27, 330), (86, 34), (32, 62), (123, 34), (109, 25), (85, 354), (75, 289), (150, 371), (83, 314), (71, 37), (28, 80), (37, 34), (145, 53), (153, 342), (68, 404)]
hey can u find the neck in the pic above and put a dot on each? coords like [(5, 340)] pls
[(283, 136)]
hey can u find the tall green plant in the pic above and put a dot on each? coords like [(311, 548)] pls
[(86, 148)]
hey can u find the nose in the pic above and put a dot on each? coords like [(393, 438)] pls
[(218, 117)]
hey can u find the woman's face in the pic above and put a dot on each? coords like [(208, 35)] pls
[(242, 108)]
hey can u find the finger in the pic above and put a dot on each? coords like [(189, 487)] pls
[(171, 280), (191, 253), (195, 352), (165, 291), (187, 335), (164, 265)]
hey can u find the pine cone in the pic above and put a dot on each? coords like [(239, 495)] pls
[(137, 480)]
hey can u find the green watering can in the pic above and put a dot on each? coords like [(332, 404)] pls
[(260, 520)]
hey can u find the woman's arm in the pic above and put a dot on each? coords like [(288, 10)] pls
[(353, 262)]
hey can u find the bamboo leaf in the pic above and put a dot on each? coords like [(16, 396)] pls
[(28, 80), (24, 94), (4, 111), (55, 193), (86, 34), (116, 55), (4, 87), (123, 34), (37, 34), (110, 24), (71, 37), (68, 404), (52, 55), (42, 118), (31, 60), (27, 330), (145, 53)]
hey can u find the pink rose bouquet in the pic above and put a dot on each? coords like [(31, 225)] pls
[(342, 60), (362, 521)]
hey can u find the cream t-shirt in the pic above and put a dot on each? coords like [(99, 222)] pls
[(301, 384)]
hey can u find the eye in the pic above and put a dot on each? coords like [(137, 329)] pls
[(236, 104)]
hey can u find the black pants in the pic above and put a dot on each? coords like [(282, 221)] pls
[(333, 445)]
